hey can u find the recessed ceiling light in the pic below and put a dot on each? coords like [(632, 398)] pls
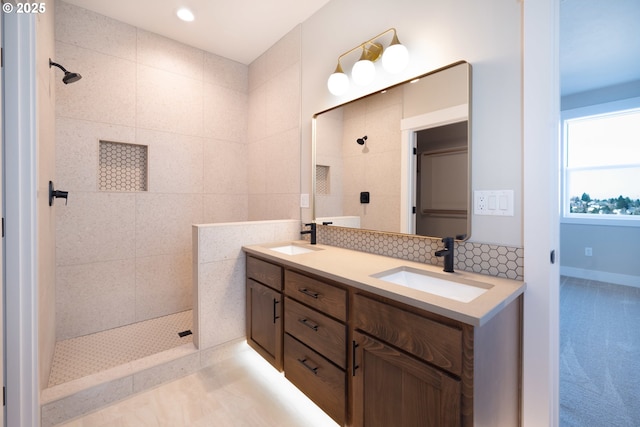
[(185, 14)]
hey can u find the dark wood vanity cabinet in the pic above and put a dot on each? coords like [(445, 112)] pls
[(370, 361), (394, 379), (315, 357), (391, 388), (264, 309)]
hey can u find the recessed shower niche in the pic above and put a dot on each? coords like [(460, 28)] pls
[(122, 167)]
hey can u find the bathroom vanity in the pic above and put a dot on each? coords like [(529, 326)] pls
[(380, 341)]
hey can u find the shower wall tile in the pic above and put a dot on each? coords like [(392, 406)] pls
[(95, 227), (85, 401), (177, 107), (221, 242), (163, 285), (221, 285), (258, 168), (225, 208), (386, 137), (283, 116), (171, 370), (283, 54), (77, 146), (223, 72), (273, 206), (283, 150), (94, 297), (175, 161), (225, 169), (225, 113), (165, 54), (257, 114), (83, 28), (107, 91), (163, 222), (219, 275), (382, 171), (258, 72)]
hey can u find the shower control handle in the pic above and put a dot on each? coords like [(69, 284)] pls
[(57, 194)]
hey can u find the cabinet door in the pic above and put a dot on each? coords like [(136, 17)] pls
[(264, 322), (391, 388)]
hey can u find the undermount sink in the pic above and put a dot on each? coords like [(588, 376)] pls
[(457, 289), (292, 249)]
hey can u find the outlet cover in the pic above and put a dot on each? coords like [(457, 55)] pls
[(493, 202)]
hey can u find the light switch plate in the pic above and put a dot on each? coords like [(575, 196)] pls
[(493, 202), (304, 200)]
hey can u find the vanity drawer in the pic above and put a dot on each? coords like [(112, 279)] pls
[(319, 295), (426, 339), (323, 334), (316, 377), (264, 272)]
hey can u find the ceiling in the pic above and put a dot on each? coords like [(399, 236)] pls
[(599, 40), (599, 43), (240, 30)]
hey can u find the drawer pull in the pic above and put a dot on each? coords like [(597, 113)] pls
[(309, 324), (312, 369), (275, 310), (354, 346), (309, 293)]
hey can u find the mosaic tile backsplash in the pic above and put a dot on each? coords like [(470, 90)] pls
[(482, 258)]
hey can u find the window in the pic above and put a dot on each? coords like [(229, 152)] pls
[(601, 164)]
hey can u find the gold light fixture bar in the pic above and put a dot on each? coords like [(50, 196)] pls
[(394, 59), (371, 50)]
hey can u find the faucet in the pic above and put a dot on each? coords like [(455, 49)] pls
[(311, 231), (447, 253)]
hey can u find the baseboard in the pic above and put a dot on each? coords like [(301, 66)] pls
[(601, 276)]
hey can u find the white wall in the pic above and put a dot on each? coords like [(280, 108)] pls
[(487, 34)]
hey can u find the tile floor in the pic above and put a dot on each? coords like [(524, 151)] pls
[(241, 390), (78, 357)]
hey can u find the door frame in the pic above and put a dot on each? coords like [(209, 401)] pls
[(408, 128), (541, 220), (20, 179), (2, 281)]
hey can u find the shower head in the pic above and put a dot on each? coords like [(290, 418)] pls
[(68, 76), (361, 140)]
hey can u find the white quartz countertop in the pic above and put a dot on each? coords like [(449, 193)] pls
[(356, 269)]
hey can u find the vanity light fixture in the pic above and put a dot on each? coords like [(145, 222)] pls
[(394, 59), (185, 14)]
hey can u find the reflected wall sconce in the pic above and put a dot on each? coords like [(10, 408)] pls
[(395, 58)]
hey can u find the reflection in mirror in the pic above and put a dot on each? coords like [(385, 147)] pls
[(398, 160)]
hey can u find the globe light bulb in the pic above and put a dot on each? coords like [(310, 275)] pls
[(338, 83), (363, 72), (395, 58)]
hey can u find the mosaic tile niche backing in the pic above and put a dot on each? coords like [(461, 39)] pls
[(493, 260), (123, 167)]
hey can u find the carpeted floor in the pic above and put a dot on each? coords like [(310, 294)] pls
[(599, 354)]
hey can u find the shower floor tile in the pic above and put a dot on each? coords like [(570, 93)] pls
[(78, 357)]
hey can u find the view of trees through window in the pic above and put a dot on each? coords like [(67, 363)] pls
[(602, 164)]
